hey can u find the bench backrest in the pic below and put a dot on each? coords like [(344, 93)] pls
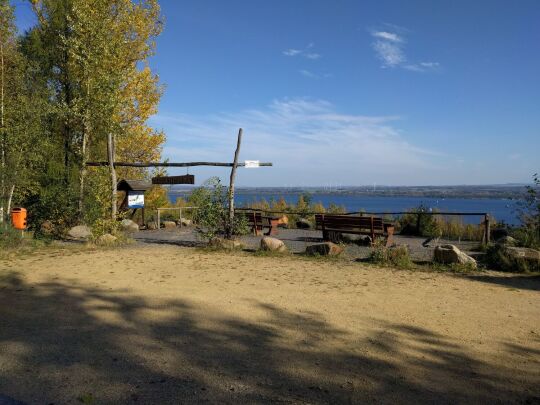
[(254, 218), (345, 222)]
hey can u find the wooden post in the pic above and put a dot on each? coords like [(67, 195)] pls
[(180, 217), (110, 151), (231, 184), (487, 230), (158, 220)]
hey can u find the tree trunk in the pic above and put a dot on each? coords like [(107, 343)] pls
[(231, 185), (84, 159), (2, 140), (110, 152), (82, 176), (10, 198)]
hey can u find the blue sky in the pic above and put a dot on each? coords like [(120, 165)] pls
[(352, 92)]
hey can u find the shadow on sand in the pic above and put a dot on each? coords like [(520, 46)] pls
[(64, 343)]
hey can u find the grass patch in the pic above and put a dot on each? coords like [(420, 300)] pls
[(398, 257)]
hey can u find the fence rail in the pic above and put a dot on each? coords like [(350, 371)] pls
[(172, 209), (486, 222)]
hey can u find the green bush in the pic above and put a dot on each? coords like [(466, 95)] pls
[(212, 216), (106, 226), (10, 238), (396, 256), (414, 223), (529, 213)]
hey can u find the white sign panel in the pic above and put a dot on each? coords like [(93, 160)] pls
[(135, 199), (251, 164)]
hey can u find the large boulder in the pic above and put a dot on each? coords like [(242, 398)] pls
[(80, 232), (273, 245), (512, 258), (303, 223), (507, 241), (226, 244), (106, 239), (169, 224), (523, 253), (129, 226), (449, 254), (324, 249), (186, 222)]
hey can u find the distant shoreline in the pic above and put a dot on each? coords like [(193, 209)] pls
[(508, 192)]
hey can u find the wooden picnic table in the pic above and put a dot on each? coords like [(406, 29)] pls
[(259, 222)]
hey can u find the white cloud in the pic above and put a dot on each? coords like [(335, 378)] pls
[(309, 74), (430, 64), (390, 53), (292, 52), (390, 49), (306, 53), (309, 142), (388, 36), (312, 55)]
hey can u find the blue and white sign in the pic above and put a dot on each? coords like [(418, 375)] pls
[(135, 199)]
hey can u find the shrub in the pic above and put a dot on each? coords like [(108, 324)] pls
[(396, 256), (10, 238), (106, 225), (529, 213), (212, 216), (414, 223)]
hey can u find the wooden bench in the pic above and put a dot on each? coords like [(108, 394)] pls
[(365, 225), (258, 222)]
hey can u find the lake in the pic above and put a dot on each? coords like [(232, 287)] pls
[(500, 209)]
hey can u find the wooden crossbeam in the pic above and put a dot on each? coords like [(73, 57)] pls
[(166, 164)]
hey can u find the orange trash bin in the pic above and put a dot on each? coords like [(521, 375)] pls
[(18, 218)]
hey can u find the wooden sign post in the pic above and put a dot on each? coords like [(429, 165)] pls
[(231, 184)]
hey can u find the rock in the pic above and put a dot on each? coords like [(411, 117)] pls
[(47, 228), (80, 232), (512, 258), (448, 254), (303, 223), (283, 221), (522, 253), (324, 249), (129, 226), (169, 224), (186, 222), (360, 240), (106, 239), (152, 226), (227, 244), (507, 241), (273, 245)]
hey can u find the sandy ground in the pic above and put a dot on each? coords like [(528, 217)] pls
[(158, 324)]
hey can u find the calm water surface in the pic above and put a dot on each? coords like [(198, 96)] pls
[(500, 209)]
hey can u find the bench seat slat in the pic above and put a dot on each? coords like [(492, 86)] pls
[(373, 226)]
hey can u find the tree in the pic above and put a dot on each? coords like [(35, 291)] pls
[(529, 214), (20, 115), (95, 57)]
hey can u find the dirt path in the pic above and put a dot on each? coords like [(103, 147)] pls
[(164, 325)]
